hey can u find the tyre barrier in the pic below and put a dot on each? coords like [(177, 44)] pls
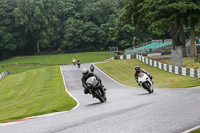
[(3, 74)]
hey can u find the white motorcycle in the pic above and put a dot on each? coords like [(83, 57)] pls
[(145, 82)]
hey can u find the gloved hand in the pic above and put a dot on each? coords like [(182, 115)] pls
[(99, 80)]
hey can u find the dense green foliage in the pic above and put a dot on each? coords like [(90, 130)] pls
[(58, 26), (173, 15), (36, 26)]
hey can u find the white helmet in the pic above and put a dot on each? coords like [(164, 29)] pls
[(85, 71)]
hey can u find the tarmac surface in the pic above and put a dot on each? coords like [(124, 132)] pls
[(127, 110)]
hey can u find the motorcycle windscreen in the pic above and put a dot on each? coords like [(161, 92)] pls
[(92, 81), (141, 75)]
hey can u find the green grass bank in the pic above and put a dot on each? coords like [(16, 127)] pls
[(196, 131), (123, 72), (17, 65), (35, 92)]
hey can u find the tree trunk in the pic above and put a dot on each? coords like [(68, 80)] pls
[(5, 55), (38, 46), (192, 40), (173, 31), (182, 37), (49, 48)]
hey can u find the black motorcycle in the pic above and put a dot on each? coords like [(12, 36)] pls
[(92, 68), (79, 64), (94, 88)]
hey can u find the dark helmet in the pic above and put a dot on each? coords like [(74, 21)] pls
[(137, 68), (85, 71)]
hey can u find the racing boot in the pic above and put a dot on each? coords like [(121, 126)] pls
[(86, 91)]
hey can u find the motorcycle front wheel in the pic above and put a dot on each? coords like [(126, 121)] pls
[(99, 95), (147, 86)]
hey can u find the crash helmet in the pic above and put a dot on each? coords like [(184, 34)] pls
[(85, 71), (137, 68)]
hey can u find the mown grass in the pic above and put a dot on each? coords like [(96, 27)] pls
[(17, 65), (123, 71), (187, 62), (34, 92)]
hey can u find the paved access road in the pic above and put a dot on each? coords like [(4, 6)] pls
[(128, 110)]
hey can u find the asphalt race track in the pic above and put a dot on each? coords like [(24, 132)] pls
[(127, 110)]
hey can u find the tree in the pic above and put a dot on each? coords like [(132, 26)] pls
[(80, 35), (193, 11), (51, 34), (100, 11), (31, 15), (163, 13), (10, 37)]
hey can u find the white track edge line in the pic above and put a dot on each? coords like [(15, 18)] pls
[(69, 92), (192, 129)]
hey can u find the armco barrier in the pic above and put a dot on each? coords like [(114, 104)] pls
[(3, 74), (169, 68), (129, 56)]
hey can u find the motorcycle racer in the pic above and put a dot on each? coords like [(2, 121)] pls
[(138, 70), (86, 75)]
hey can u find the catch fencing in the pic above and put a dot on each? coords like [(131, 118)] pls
[(169, 68), (3, 74)]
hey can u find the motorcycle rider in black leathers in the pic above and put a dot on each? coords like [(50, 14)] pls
[(92, 68), (78, 63), (137, 72), (86, 75)]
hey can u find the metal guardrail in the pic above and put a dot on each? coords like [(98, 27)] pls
[(169, 68)]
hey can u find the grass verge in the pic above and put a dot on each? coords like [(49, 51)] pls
[(35, 92), (17, 65), (123, 71), (196, 131)]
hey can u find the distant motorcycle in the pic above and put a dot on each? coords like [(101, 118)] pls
[(74, 63), (145, 82), (92, 68), (79, 64), (94, 88)]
